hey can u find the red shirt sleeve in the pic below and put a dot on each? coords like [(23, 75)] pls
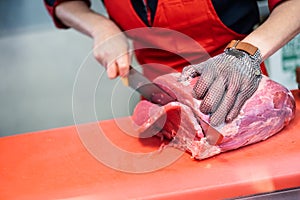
[(274, 3), (51, 5)]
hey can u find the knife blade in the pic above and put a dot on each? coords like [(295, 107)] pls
[(147, 88), (157, 95), (213, 136)]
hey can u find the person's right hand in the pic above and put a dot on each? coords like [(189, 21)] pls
[(111, 50), (110, 44)]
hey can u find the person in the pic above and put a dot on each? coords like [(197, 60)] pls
[(228, 78)]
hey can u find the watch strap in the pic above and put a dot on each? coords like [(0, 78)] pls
[(243, 46)]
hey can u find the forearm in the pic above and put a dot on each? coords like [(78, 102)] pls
[(110, 43), (282, 25), (77, 15)]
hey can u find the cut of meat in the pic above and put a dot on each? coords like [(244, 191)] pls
[(270, 109)]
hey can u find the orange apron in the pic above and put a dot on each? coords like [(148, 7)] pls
[(192, 32)]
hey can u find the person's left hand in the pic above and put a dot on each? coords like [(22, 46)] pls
[(226, 81)]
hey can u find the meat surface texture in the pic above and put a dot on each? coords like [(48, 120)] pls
[(267, 112)]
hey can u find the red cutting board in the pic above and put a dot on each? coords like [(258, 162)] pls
[(84, 162)]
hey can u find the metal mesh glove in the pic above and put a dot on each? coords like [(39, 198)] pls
[(226, 81)]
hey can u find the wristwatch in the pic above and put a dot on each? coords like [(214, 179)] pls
[(243, 46), (236, 48)]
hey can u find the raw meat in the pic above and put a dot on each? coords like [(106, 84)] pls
[(270, 109)]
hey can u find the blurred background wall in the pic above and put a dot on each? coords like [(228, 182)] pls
[(38, 68), (40, 65)]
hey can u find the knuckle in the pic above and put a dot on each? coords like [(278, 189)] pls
[(98, 55), (123, 65)]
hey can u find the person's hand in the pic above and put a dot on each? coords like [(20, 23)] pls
[(111, 50), (110, 43), (226, 81)]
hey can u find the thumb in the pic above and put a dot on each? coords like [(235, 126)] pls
[(123, 63)]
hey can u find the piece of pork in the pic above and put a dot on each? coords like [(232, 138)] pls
[(270, 109)]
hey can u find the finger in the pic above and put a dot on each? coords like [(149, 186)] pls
[(191, 71), (214, 96), (123, 63), (241, 98), (203, 83), (112, 70), (187, 73), (219, 116)]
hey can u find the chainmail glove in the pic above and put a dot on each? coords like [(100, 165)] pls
[(226, 81)]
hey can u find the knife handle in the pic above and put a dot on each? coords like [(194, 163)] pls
[(125, 81)]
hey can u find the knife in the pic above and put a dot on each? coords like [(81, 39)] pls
[(213, 136), (149, 90), (154, 93)]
